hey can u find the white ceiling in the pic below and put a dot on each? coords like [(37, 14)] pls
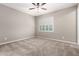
[(51, 7)]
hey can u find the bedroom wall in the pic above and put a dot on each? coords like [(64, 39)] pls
[(64, 25), (78, 24), (15, 25)]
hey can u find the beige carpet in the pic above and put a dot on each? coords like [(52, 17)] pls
[(38, 47)]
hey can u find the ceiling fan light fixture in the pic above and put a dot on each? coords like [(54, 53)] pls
[(38, 5)]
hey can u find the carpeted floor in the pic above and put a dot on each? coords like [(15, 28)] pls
[(38, 47)]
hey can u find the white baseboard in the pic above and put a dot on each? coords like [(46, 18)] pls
[(59, 40), (72, 44), (29, 37)]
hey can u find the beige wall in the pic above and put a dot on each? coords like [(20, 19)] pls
[(78, 24), (15, 25), (64, 25)]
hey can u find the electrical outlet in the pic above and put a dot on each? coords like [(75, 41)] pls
[(5, 38), (62, 37)]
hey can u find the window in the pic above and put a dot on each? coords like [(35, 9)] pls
[(46, 25)]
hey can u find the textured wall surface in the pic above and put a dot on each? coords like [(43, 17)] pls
[(15, 25)]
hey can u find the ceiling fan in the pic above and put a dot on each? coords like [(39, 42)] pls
[(38, 5)]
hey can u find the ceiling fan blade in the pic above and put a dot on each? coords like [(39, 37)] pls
[(31, 8), (44, 8), (43, 4), (34, 4)]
